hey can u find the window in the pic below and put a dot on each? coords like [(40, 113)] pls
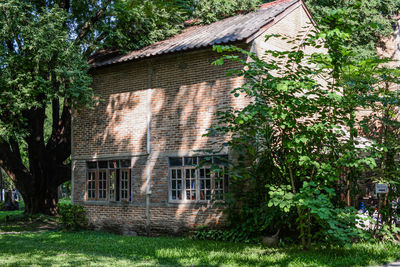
[(109, 180), (191, 179)]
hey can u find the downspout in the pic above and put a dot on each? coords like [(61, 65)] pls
[(73, 161), (148, 148)]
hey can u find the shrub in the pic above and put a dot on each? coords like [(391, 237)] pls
[(231, 235), (72, 217)]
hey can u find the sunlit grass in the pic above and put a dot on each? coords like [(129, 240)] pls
[(102, 249)]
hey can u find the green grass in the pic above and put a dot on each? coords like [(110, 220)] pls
[(101, 249), (11, 215)]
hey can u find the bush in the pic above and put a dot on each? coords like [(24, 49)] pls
[(230, 235), (72, 217)]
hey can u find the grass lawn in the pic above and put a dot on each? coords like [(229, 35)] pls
[(102, 249), (10, 214)]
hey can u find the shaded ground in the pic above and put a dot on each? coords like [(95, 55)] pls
[(17, 222)]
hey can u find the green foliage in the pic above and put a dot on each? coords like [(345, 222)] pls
[(72, 217), (299, 130), (5, 181), (233, 235), (38, 62), (134, 24), (369, 20), (209, 11)]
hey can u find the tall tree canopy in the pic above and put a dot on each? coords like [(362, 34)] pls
[(370, 21)]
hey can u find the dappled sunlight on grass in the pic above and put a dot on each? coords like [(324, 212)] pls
[(102, 249)]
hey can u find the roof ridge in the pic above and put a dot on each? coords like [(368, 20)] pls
[(273, 3)]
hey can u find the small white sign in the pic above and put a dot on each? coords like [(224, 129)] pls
[(381, 188)]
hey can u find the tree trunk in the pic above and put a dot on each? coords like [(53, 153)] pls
[(47, 162), (42, 201)]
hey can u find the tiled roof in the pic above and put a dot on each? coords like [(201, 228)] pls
[(225, 31)]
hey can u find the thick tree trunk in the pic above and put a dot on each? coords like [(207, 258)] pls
[(42, 201), (47, 169)]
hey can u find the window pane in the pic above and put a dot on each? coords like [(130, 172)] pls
[(113, 164), (103, 164), (91, 185), (124, 185), (173, 184), (190, 161), (176, 184), (190, 184), (205, 184), (91, 164), (102, 184), (173, 162), (206, 160), (125, 163), (111, 182), (219, 187), (221, 160), (179, 184)]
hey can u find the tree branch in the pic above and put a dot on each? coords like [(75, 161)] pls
[(63, 174), (59, 145), (11, 163), (11, 30), (87, 26)]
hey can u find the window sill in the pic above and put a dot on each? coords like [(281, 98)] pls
[(207, 203), (102, 202)]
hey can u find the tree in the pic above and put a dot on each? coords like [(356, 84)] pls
[(45, 46), (207, 11), (374, 19), (39, 65)]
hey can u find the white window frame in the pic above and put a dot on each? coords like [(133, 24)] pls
[(197, 189), (108, 170)]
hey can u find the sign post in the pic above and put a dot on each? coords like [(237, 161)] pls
[(381, 188)]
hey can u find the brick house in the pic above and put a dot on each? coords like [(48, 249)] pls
[(134, 154)]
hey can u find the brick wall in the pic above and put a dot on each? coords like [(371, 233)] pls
[(185, 92)]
